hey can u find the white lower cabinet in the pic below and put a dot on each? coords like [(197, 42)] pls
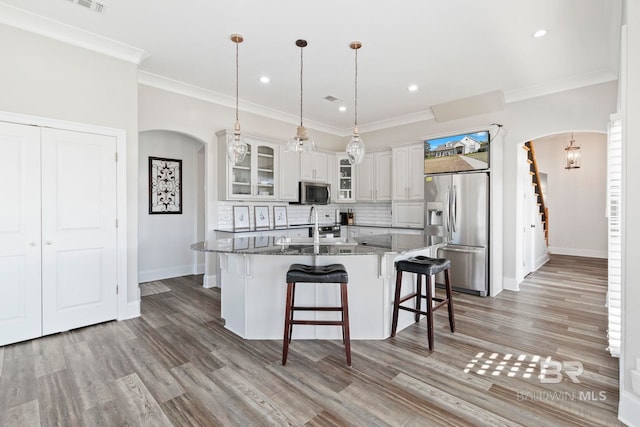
[(58, 253), (407, 214)]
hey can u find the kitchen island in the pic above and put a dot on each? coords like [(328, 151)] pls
[(253, 271)]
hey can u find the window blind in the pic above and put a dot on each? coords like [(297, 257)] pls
[(614, 213)]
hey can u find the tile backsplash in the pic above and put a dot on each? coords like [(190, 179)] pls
[(364, 214)]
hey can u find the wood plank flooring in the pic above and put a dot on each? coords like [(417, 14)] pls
[(177, 365)]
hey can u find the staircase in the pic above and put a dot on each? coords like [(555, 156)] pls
[(535, 181)]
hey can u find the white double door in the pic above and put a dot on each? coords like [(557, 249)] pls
[(58, 258)]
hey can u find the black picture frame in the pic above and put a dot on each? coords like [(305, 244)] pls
[(165, 186)]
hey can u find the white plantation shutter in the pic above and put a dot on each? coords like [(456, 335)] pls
[(614, 213)]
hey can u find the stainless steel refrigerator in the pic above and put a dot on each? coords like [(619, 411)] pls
[(457, 207)]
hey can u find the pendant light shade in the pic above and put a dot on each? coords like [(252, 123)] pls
[(573, 154), (301, 141), (355, 147), (236, 146)]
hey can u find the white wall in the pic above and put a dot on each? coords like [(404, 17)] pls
[(587, 109), (575, 197), (161, 109), (629, 409), (164, 240), (46, 78)]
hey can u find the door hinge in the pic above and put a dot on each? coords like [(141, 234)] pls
[(116, 222), (116, 157), (117, 289)]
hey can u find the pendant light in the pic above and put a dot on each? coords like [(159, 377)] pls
[(355, 147), (236, 146), (301, 142), (573, 154)]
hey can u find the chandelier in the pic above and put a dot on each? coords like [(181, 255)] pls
[(236, 146), (355, 147), (573, 154), (301, 142)]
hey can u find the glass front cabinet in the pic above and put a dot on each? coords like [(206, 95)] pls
[(255, 176), (345, 181)]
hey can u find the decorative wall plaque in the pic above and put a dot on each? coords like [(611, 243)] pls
[(165, 186)]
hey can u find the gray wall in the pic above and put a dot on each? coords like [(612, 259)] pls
[(164, 239), (576, 198), (47, 78)]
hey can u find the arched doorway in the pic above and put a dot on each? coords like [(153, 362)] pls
[(575, 198), (164, 239)]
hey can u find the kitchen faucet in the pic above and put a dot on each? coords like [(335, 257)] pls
[(316, 233)]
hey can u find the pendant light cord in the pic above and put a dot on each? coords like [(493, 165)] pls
[(356, 90), (237, 81), (301, 90)]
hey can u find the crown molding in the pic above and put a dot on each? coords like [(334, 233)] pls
[(175, 86), (573, 82), (419, 116), (570, 83), (56, 30), (550, 88)]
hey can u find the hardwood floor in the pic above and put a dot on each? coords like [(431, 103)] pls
[(177, 365)]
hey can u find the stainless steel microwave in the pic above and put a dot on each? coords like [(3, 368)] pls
[(314, 193)]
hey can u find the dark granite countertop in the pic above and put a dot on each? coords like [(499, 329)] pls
[(367, 245), (298, 226)]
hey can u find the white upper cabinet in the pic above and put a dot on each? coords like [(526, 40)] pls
[(289, 175), (255, 177), (344, 186), (383, 167), (408, 172), (314, 167), (365, 179), (374, 177)]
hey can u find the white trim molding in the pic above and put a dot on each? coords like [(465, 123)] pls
[(126, 309), (210, 281), (56, 30), (181, 88), (589, 253), (629, 409)]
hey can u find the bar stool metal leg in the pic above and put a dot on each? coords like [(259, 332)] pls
[(429, 312), (345, 322), (419, 296), (288, 313), (396, 303), (452, 322)]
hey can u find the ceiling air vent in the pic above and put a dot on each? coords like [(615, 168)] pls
[(332, 98), (93, 5)]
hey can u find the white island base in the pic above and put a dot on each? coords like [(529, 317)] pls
[(254, 291)]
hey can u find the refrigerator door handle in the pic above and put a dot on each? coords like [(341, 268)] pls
[(454, 210), (447, 217)]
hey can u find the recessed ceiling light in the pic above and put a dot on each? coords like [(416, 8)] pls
[(342, 108), (265, 79), (540, 33), (413, 88)]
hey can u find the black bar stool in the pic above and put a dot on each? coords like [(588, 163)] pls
[(334, 273), (422, 265)]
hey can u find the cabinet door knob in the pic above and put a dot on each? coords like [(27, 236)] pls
[(49, 242)]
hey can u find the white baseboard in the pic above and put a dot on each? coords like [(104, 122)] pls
[(165, 273), (131, 310), (210, 281), (199, 269), (510, 284), (541, 261), (629, 409), (590, 253)]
